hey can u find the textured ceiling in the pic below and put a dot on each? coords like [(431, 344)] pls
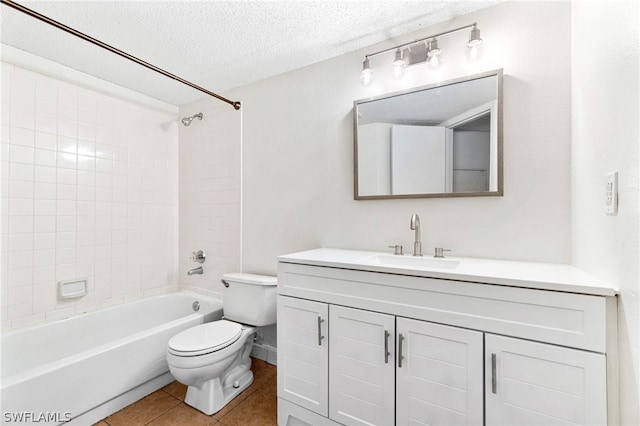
[(218, 45)]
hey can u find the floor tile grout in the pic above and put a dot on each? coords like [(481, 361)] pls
[(165, 411)]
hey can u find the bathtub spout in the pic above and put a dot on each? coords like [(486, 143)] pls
[(197, 270)]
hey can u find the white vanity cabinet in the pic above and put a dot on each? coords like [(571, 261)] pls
[(361, 373), (387, 370), (433, 377), (439, 378), (303, 372), (364, 347), (537, 384)]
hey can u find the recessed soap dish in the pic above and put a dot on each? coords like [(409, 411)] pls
[(72, 288)]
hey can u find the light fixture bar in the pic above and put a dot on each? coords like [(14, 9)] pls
[(421, 40), (112, 49)]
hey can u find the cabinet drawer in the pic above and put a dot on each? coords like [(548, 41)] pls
[(566, 319)]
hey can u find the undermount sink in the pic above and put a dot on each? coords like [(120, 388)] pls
[(411, 261)]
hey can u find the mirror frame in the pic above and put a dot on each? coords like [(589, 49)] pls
[(499, 192)]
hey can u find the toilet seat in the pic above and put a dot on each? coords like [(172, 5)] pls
[(205, 338)]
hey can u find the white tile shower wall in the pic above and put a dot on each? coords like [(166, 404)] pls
[(89, 190), (210, 193)]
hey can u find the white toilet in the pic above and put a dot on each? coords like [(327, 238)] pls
[(213, 358)]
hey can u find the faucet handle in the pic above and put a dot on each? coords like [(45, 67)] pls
[(439, 252), (397, 250), (199, 256)]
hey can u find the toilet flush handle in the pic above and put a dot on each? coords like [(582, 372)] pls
[(226, 284)]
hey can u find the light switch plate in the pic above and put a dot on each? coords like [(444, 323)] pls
[(611, 193)]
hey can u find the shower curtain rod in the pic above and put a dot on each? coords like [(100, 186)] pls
[(112, 49)]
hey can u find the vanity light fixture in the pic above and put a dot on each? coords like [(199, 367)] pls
[(366, 74), (433, 51), (398, 65), (474, 37), (417, 51), (474, 42)]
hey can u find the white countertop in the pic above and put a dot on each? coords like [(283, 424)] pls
[(543, 276)]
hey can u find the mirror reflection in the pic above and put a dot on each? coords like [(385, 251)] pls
[(434, 141)]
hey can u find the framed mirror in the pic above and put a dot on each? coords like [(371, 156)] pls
[(441, 140)]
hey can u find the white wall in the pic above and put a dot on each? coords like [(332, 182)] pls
[(210, 207), (298, 150), (89, 190), (606, 138)]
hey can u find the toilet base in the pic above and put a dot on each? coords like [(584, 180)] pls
[(210, 396)]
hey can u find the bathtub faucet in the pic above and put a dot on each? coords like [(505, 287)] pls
[(194, 271)]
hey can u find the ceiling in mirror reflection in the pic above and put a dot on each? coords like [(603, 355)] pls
[(441, 104)]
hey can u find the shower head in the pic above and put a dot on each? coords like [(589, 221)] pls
[(187, 120)]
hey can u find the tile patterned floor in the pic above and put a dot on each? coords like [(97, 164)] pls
[(256, 406)]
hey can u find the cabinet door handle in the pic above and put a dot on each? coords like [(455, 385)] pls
[(400, 356), (494, 380), (386, 347), (320, 336)]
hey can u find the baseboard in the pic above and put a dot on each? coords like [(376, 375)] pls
[(265, 353), (118, 403)]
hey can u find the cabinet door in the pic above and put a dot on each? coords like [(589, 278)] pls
[(361, 378), (303, 355), (439, 374), (530, 383)]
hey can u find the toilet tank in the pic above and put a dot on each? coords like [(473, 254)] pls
[(250, 299)]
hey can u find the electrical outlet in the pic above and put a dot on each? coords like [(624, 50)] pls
[(611, 193)]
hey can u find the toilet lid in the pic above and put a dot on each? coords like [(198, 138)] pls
[(205, 338)]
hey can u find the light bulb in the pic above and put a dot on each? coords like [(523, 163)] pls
[(433, 52), (398, 65), (365, 77), (366, 74), (398, 71), (473, 53)]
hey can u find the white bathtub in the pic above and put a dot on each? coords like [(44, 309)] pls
[(86, 367)]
